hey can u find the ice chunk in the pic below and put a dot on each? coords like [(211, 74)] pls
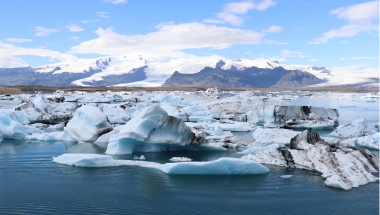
[(343, 167), (370, 141), (88, 124), (285, 113), (151, 130), (14, 130), (258, 109), (286, 176), (218, 130), (19, 116), (356, 128), (314, 124), (180, 159), (266, 136), (222, 166)]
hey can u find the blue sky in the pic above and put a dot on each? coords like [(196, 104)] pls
[(312, 32)]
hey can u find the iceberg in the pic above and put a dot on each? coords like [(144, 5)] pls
[(267, 136), (302, 117), (257, 109), (180, 159), (88, 124), (356, 128), (285, 113), (343, 167), (151, 130), (222, 166), (370, 141), (39, 109), (13, 129)]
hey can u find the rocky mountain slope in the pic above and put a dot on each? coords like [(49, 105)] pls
[(249, 77)]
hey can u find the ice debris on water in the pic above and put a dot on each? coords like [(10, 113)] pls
[(286, 176)]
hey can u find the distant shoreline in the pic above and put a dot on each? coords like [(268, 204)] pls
[(51, 89)]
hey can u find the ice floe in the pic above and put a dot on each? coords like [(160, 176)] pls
[(343, 167), (221, 166)]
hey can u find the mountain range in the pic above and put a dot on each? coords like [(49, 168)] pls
[(133, 70)]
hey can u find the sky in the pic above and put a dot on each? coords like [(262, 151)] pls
[(329, 33)]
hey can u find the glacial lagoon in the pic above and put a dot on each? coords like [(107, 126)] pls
[(33, 184)]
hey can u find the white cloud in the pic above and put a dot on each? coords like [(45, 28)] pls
[(18, 40), (9, 53), (289, 53), (232, 10), (116, 1), (362, 58), (319, 40), (273, 42), (314, 60), (74, 28), (358, 12), (41, 31), (90, 21), (74, 38), (167, 38), (360, 17), (273, 29), (102, 14)]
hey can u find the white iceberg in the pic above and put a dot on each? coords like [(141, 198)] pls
[(151, 130), (356, 128), (370, 141), (222, 166), (13, 129), (267, 136), (88, 124), (180, 159)]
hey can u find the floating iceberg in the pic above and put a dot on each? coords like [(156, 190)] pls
[(343, 167), (256, 109), (306, 117), (180, 159), (356, 128), (88, 124), (39, 109), (151, 130), (370, 141), (222, 166), (13, 129)]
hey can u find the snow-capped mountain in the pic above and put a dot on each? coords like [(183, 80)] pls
[(135, 70)]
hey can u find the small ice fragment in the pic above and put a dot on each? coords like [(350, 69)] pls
[(286, 176), (180, 159), (142, 157)]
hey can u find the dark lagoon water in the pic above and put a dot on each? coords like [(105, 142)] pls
[(31, 183)]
